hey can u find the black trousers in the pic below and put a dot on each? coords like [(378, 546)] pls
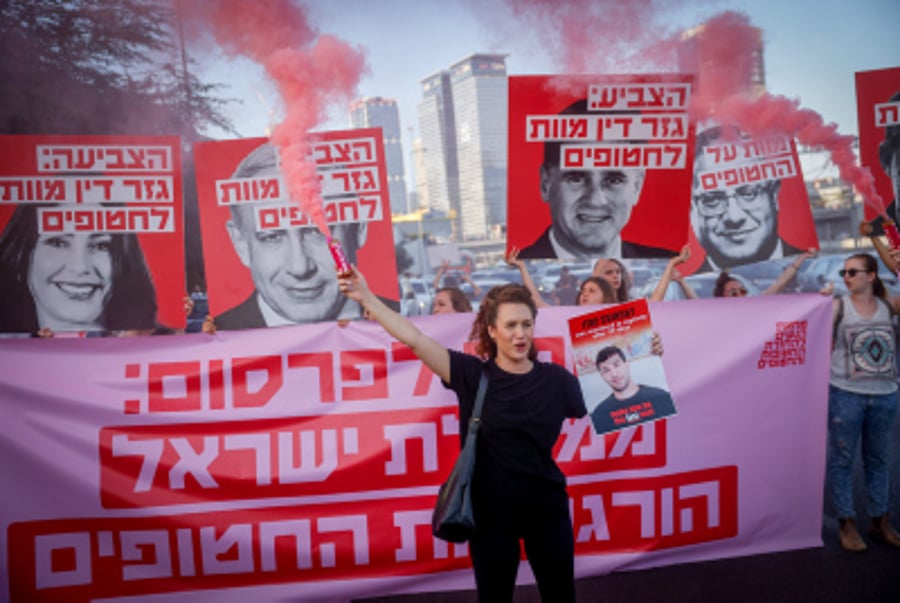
[(549, 546)]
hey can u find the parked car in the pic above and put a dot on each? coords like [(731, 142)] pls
[(508, 275), (643, 273), (417, 297)]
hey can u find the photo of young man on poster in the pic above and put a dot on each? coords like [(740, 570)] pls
[(611, 166), (285, 269), (619, 345), (630, 402), (92, 238)]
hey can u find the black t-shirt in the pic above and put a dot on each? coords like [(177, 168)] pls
[(520, 422), (648, 404)]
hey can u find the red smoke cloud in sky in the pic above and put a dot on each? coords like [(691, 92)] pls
[(598, 36), (730, 40), (624, 36), (311, 72)]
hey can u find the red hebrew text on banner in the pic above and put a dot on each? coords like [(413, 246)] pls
[(307, 459)]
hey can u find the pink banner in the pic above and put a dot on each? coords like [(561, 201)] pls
[(255, 465)]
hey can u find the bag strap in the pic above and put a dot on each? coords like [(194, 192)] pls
[(479, 396), (837, 319)]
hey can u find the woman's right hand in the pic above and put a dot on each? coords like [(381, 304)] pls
[(354, 286), (513, 258), (209, 325)]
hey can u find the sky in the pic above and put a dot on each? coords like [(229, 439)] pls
[(812, 50)]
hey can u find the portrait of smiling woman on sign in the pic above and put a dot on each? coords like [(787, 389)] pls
[(91, 235), (72, 281)]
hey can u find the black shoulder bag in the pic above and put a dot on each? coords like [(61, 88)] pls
[(452, 519)]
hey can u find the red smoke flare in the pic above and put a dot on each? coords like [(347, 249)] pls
[(779, 114), (622, 36), (311, 71), (729, 41)]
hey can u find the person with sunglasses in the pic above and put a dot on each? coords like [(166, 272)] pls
[(862, 400)]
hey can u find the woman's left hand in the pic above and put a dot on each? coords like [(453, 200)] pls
[(656, 346)]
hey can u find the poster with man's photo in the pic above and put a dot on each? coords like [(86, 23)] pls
[(599, 165), (878, 112), (623, 381), (91, 234), (749, 200), (267, 263)]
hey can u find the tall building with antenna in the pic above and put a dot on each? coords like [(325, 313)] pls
[(694, 51), (463, 125), (437, 131), (378, 112)]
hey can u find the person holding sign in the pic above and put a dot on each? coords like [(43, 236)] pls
[(518, 491), (629, 402), (862, 400)]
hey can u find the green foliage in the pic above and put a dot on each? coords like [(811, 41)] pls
[(100, 67)]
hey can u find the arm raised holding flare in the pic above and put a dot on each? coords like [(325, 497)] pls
[(433, 354), (884, 251), (517, 483)]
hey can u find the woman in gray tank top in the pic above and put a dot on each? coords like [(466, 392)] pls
[(862, 400)]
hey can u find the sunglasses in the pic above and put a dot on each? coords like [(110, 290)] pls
[(736, 292), (851, 272)]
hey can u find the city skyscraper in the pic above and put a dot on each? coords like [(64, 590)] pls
[(480, 90), (463, 126), (437, 130), (378, 112), (693, 52), (420, 172)]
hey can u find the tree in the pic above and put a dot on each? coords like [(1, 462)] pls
[(402, 258), (100, 67)]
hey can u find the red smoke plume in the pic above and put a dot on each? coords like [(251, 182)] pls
[(780, 114), (622, 36), (599, 36), (730, 41), (311, 71)]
